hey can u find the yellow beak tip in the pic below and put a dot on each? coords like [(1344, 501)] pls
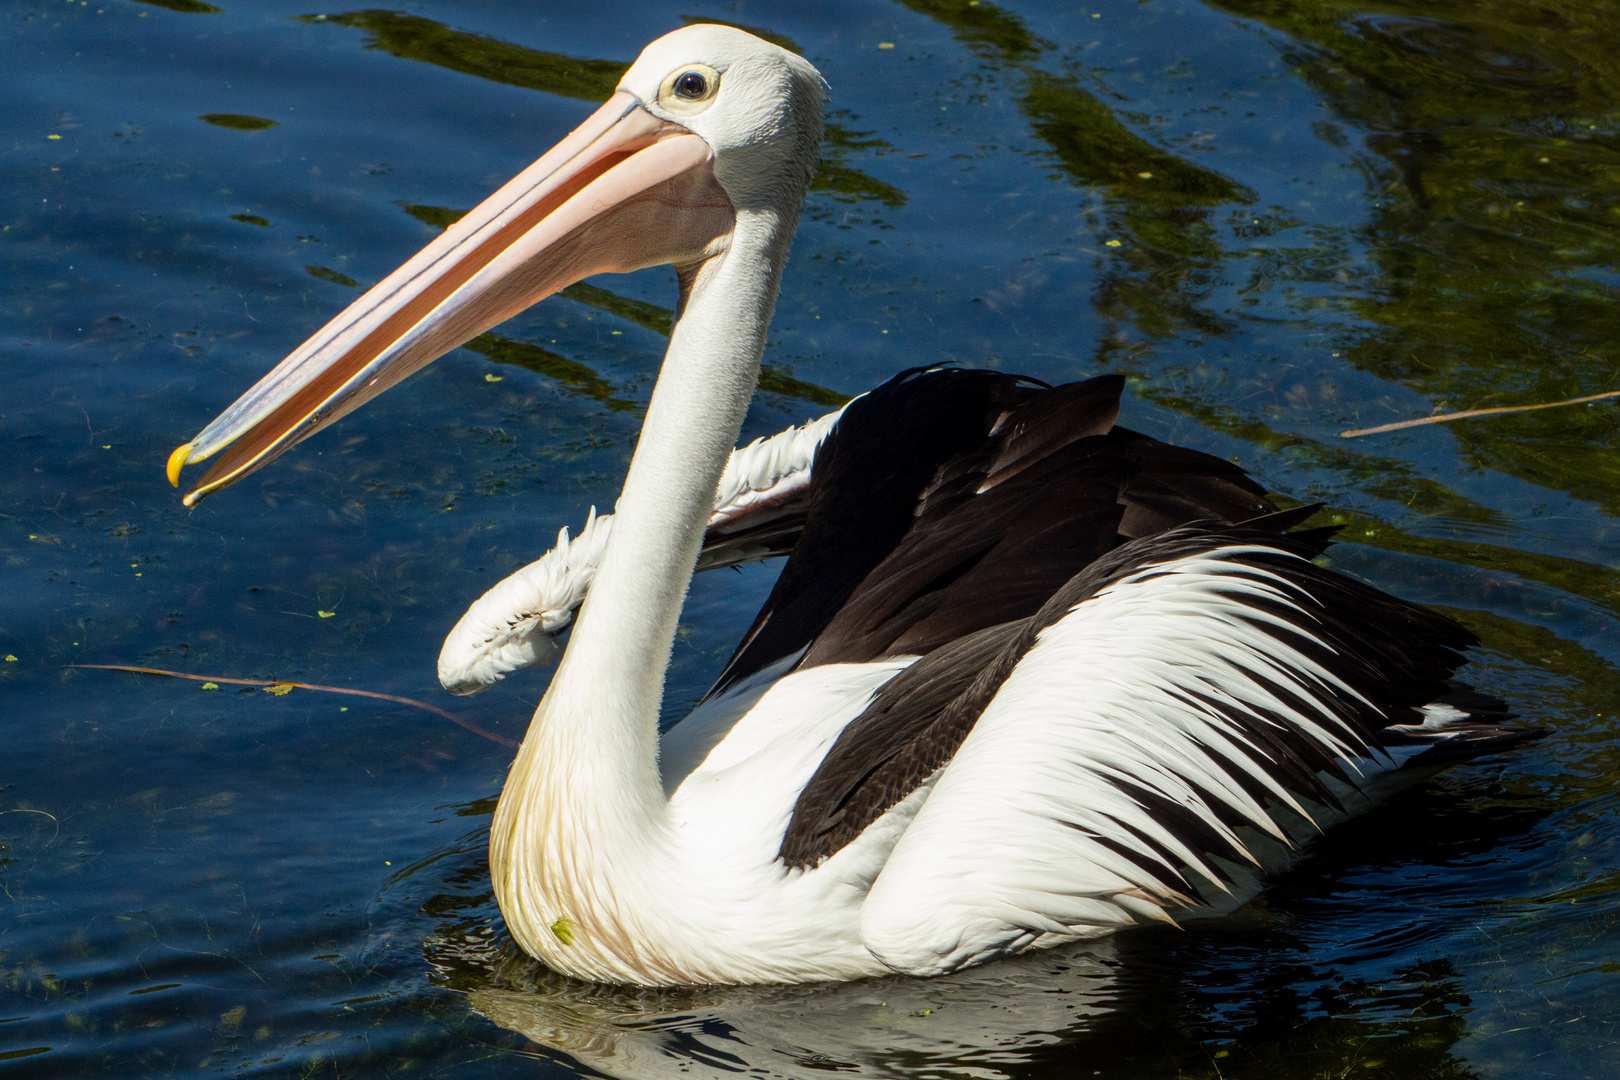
[(177, 461)]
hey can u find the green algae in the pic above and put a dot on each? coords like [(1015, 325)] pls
[(238, 121), (329, 275), (411, 37), (574, 377), (1490, 135), (1096, 149), (988, 29)]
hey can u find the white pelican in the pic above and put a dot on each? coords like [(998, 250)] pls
[(1027, 677)]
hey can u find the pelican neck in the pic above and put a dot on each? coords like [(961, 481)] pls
[(584, 809)]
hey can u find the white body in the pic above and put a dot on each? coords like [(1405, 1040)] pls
[(979, 862)]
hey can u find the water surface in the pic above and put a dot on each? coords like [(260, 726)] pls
[(1279, 218)]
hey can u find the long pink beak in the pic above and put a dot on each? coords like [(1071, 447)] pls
[(624, 190)]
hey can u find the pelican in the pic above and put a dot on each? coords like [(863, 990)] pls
[(1026, 677)]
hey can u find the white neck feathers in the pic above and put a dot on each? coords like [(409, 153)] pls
[(581, 823)]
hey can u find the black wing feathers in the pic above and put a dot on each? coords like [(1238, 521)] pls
[(917, 721), (913, 726), (1173, 486), (975, 560), (765, 534), (1395, 657), (864, 486), (953, 515), (999, 531)]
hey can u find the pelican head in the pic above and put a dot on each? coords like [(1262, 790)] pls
[(710, 124)]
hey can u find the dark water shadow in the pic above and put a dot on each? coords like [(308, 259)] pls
[(411, 37), (185, 7)]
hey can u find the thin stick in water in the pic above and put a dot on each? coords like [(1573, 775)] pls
[(412, 702), (1444, 418)]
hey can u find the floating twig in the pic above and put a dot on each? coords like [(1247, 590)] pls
[(273, 685), (1444, 418), (25, 810)]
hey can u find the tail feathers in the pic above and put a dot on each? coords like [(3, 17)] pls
[(1316, 540), (1461, 724)]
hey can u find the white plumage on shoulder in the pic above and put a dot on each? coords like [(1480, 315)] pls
[(768, 470)]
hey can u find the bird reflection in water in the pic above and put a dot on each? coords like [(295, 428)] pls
[(987, 1021), (1208, 1002)]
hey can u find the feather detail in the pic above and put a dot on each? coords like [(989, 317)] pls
[(768, 469), (515, 624)]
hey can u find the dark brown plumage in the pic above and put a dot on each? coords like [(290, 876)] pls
[(952, 515)]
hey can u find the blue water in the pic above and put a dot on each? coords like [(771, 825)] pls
[(1350, 215)]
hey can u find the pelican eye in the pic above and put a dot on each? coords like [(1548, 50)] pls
[(689, 88), (692, 86)]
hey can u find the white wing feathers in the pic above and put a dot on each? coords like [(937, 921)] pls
[(515, 624), (768, 469), (1112, 754)]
